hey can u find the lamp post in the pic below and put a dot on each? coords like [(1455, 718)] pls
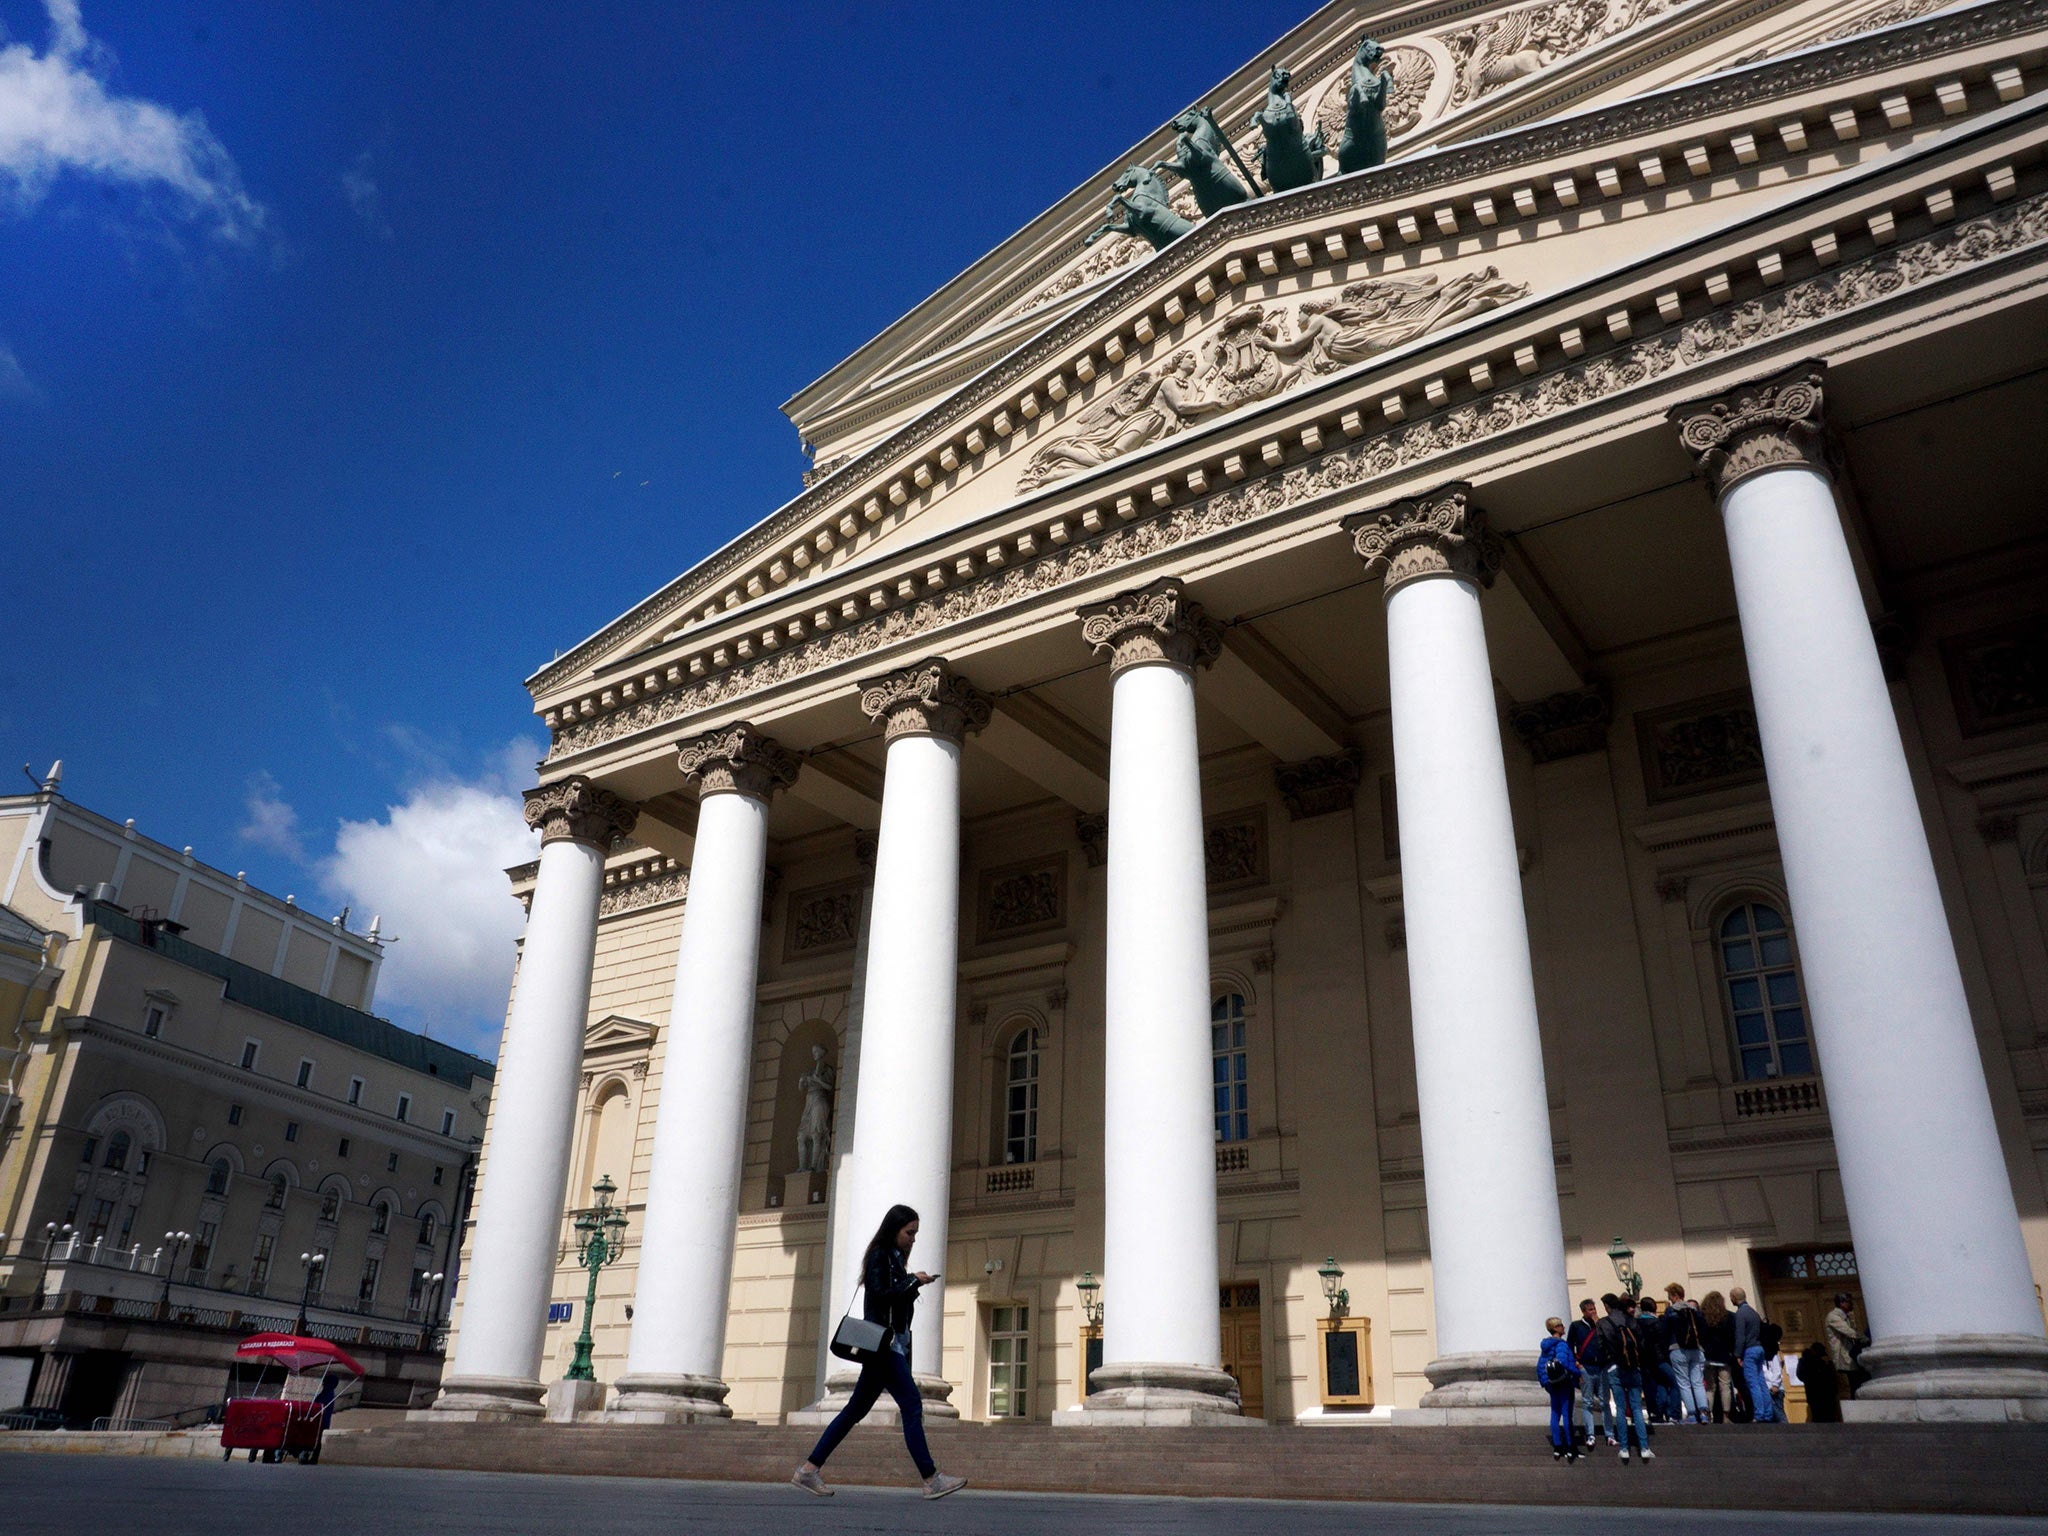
[(312, 1264), (175, 1241), (1333, 1288), (602, 1229), (1091, 1298), (51, 1232), (1624, 1258)]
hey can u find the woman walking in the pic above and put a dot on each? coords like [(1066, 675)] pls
[(890, 1288)]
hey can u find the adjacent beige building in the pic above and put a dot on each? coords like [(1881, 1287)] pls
[(197, 1095), (1447, 716)]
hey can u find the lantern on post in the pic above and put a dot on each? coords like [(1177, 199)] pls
[(1624, 1259), (1333, 1287), (601, 1234)]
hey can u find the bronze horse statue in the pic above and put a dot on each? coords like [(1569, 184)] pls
[(1147, 211), (1199, 159), (1288, 158), (1364, 144)]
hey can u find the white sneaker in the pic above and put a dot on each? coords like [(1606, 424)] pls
[(1649, 1455), (938, 1485), (807, 1478), (1624, 1456)]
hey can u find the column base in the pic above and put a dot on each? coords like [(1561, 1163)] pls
[(569, 1401), (651, 1399), (1483, 1387), (935, 1391), (484, 1400), (1993, 1378), (1144, 1394)]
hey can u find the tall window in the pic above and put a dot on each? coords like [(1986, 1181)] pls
[(427, 1228), (1020, 1099), (1233, 1093), (447, 1122), (117, 1151), (404, 1106), (217, 1179), (1761, 982), (306, 1073), (280, 1186), (153, 1020), (1009, 1362), (330, 1205), (259, 1263), (102, 1218), (202, 1250), (366, 1288), (249, 1049), (355, 1090), (381, 1220)]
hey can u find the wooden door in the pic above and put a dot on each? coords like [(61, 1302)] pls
[(1797, 1288), (1244, 1351)]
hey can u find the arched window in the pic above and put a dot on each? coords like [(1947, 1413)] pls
[(280, 1186), (217, 1180), (427, 1227), (330, 1205), (117, 1151), (381, 1221), (1760, 980), (1020, 1098), (1232, 1091)]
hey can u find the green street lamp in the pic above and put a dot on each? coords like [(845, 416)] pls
[(1091, 1298), (1624, 1258), (1333, 1287), (602, 1230)]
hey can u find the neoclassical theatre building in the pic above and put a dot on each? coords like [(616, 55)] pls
[(1468, 680)]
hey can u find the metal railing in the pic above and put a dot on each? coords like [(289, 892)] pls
[(23, 1420), (127, 1426)]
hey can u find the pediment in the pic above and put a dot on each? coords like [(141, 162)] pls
[(1316, 286), (617, 1033)]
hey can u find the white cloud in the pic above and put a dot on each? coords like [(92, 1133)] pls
[(270, 822), (364, 195), (433, 868), (58, 114), (15, 384)]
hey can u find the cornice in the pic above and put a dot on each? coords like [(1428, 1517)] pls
[(1833, 65), (1709, 330)]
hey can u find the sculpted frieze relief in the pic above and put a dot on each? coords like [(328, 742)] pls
[(1261, 351), (1912, 46), (1493, 54), (2017, 227)]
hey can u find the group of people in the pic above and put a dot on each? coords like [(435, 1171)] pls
[(1626, 1365)]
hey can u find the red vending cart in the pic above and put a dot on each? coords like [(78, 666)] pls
[(282, 1389)]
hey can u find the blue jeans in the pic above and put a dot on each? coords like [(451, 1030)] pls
[(888, 1372), (1690, 1367), (1628, 1393), (1561, 1418), (1598, 1396), (1753, 1378)]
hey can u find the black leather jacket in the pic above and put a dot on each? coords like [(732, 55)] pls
[(890, 1290)]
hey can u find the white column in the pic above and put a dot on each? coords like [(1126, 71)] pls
[(496, 1370), (1956, 1327), (1496, 1242), (684, 1279), (1162, 1356), (903, 1131)]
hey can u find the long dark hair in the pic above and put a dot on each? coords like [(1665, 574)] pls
[(884, 1240)]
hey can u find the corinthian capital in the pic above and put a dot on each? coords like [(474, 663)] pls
[(1155, 624), (577, 811), (1774, 423), (737, 760), (1438, 534), (927, 698)]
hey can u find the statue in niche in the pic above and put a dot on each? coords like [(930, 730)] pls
[(1289, 157), (1364, 144), (1144, 408), (1141, 206), (1369, 317), (1199, 155), (814, 1127)]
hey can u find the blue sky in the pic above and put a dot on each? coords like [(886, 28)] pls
[(357, 357)]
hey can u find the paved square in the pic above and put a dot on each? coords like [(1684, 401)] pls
[(43, 1495)]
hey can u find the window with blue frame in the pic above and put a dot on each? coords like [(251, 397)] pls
[(1760, 982), (1232, 1091)]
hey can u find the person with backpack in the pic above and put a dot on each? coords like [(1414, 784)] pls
[(1685, 1338), (892, 1288), (1618, 1330), (1557, 1370), (1596, 1372), (1749, 1349)]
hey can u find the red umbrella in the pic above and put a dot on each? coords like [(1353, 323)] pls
[(296, 1353)]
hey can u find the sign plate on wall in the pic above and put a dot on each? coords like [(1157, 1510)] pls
[(561, 1311)]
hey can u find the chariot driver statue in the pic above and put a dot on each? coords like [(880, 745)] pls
[(1144, 408), (1368, 318)]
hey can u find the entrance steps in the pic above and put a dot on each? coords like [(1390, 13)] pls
[(1986, 1469)]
